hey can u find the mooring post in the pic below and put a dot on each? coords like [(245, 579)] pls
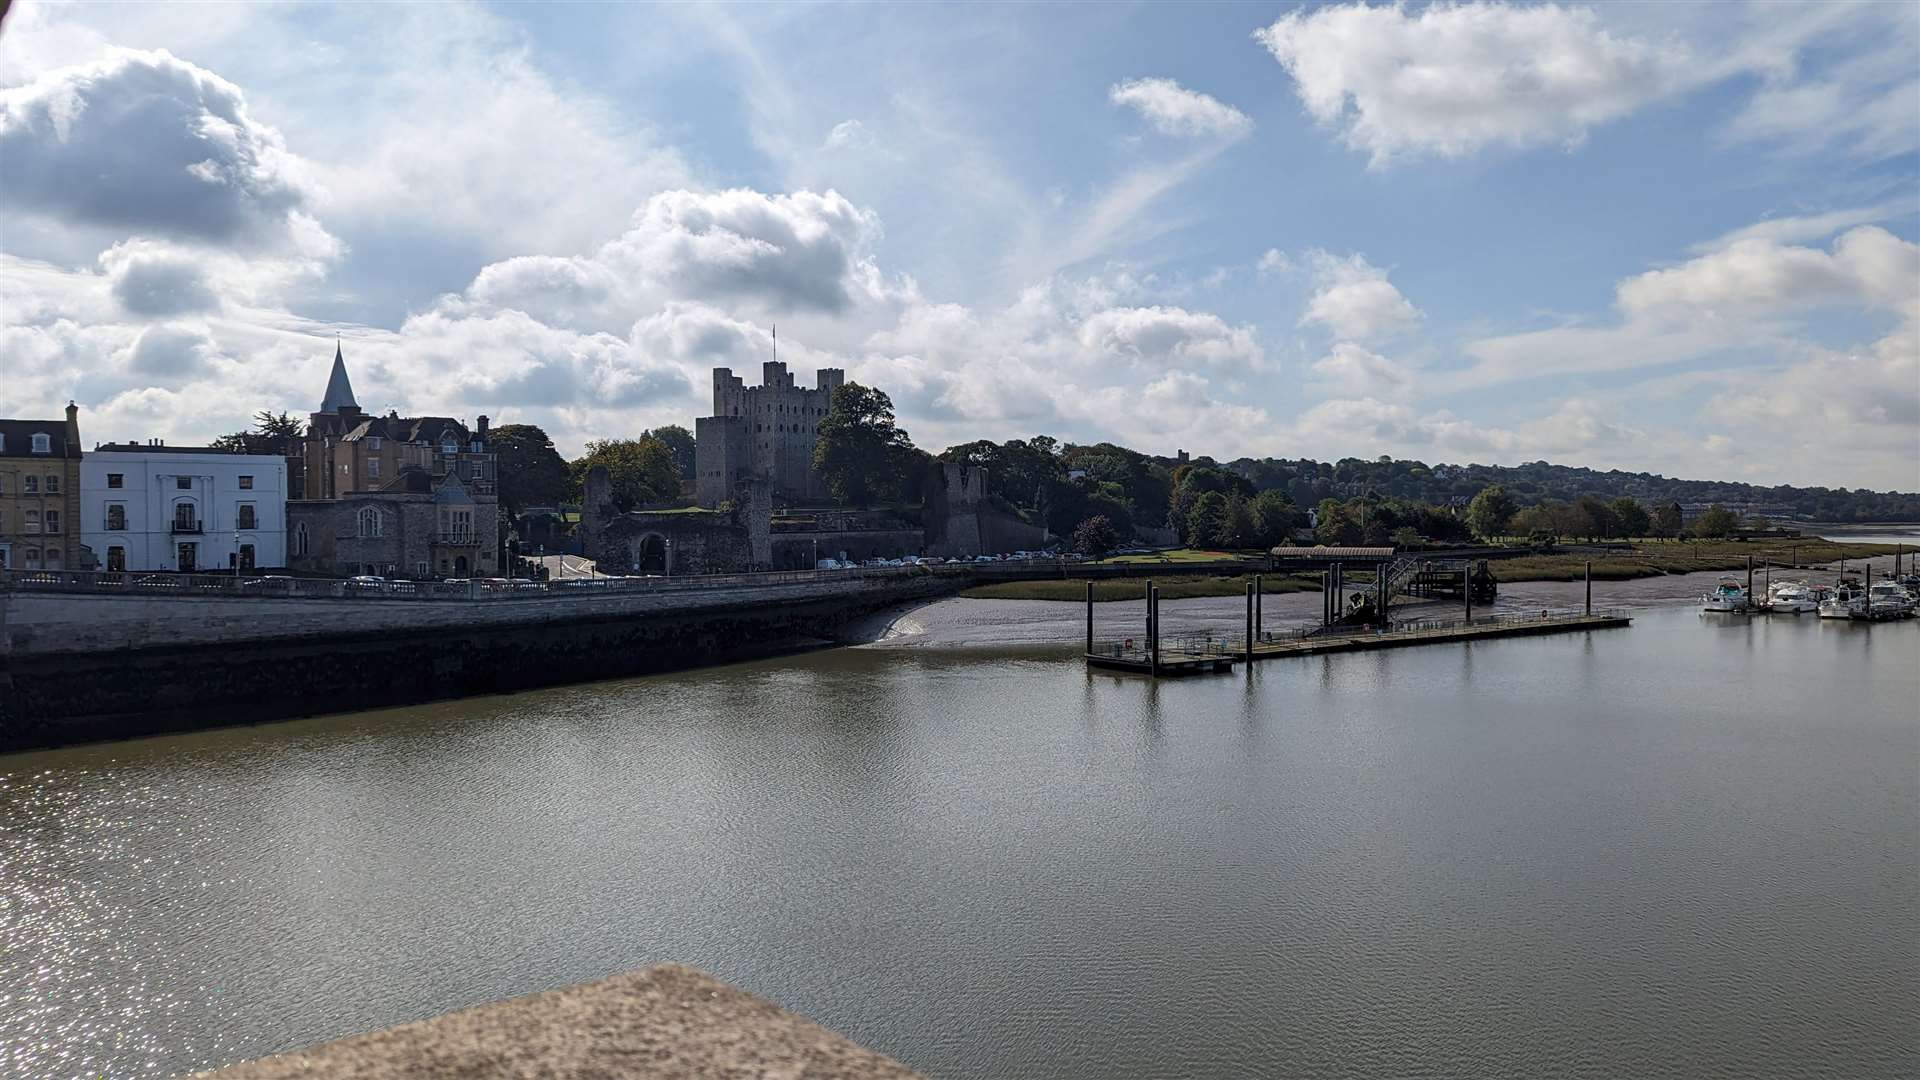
[(1149, 638), (1749, 581), (1249, 641), (1466, 588), (1089, 616), (1259, 602), (1153, 604), (1589, 586)]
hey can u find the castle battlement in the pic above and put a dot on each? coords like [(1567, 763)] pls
[(766, 432)]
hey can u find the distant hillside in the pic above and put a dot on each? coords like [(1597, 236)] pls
[(1308, 481)]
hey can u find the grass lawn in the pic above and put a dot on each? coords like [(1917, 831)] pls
[(1171, 588), (1654, 558), (1177, 555)]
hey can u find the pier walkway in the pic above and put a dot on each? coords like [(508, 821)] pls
[(1197, 654)]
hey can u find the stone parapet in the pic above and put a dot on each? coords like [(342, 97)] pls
[(666, 1023)]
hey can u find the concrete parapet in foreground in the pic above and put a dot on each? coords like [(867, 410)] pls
[(661, 1022)]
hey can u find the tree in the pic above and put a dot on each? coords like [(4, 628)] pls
[(1406, 536), (680, 441), (1338, 524), (858, 444), (1597, 516), (531, 471), (1666, 520), (1195, 481), (1274, 518), (1239, 529), (1490, 512), (1629, 518), (642, 470), (271, 434), (1207, 521), (1095, 536), (1718, 522)]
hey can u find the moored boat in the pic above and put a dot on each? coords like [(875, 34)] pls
[(1728, 597), (1791, 598), (1842, 600)]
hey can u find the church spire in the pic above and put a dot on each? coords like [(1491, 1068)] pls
[(339, 389)]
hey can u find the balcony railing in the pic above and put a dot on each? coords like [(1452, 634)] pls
[(186, 528), (461, 539)]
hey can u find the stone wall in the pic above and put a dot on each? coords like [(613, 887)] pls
[(99, 666)]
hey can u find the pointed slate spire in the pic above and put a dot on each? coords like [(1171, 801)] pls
[(339, 390)]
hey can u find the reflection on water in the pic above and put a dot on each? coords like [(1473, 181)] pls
[(1682, 849)]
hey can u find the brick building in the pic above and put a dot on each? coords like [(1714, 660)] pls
[(40, 494), (393, 495), (762, 431)]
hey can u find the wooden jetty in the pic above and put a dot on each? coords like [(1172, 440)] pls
[(1196, 654)]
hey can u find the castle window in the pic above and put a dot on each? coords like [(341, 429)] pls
[(367, 521), (300, 539)]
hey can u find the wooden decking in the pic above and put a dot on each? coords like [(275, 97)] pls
[(1198, 655)]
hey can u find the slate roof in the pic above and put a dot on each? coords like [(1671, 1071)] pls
[(19, 438)]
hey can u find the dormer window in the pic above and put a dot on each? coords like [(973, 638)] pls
[(42, 443), (373, 442)]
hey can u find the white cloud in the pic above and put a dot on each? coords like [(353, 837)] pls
[(848, 135), (1352, 370), (1797, 228), (1757, 277), (1452, 78), (143, 143), (1274, 261), (1172, 109), (1737, 298), (1354, 299)]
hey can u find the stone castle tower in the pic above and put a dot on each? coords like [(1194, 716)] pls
[(766, 431)]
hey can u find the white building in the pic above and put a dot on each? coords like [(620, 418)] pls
[(188, 508)]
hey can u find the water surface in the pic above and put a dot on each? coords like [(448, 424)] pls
[(1684, 849)]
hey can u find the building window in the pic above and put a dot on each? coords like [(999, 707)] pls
[(42, 444), (456, 525), (245, 518), (53, 521), (183, 483), (115, 480), (33, 559), (3, 556), (185, 519), (117, 560), (3, 447), (373, 467), (246, 556), (373, 442), (116, 517), (53, 485), (30, 485), (31, 524), (3, 483), (367, 521), (246, 483), (53, 558)]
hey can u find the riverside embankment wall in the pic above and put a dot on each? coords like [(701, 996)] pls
[(100, 666)]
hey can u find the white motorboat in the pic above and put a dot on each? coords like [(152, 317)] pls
[(1790, 597), (1845, 598), (1729, 596), (1886, 599)]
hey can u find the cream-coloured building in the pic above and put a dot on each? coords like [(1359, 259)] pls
[(40, 494)]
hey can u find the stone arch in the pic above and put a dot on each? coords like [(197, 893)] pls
[(651, 553)]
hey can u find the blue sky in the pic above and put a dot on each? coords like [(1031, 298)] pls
[(1670, 237)]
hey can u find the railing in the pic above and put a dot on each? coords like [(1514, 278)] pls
[(274, 585)]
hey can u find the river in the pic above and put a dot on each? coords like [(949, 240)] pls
[(1687, 848)]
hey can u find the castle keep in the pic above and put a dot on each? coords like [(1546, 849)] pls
[(762, 431)]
